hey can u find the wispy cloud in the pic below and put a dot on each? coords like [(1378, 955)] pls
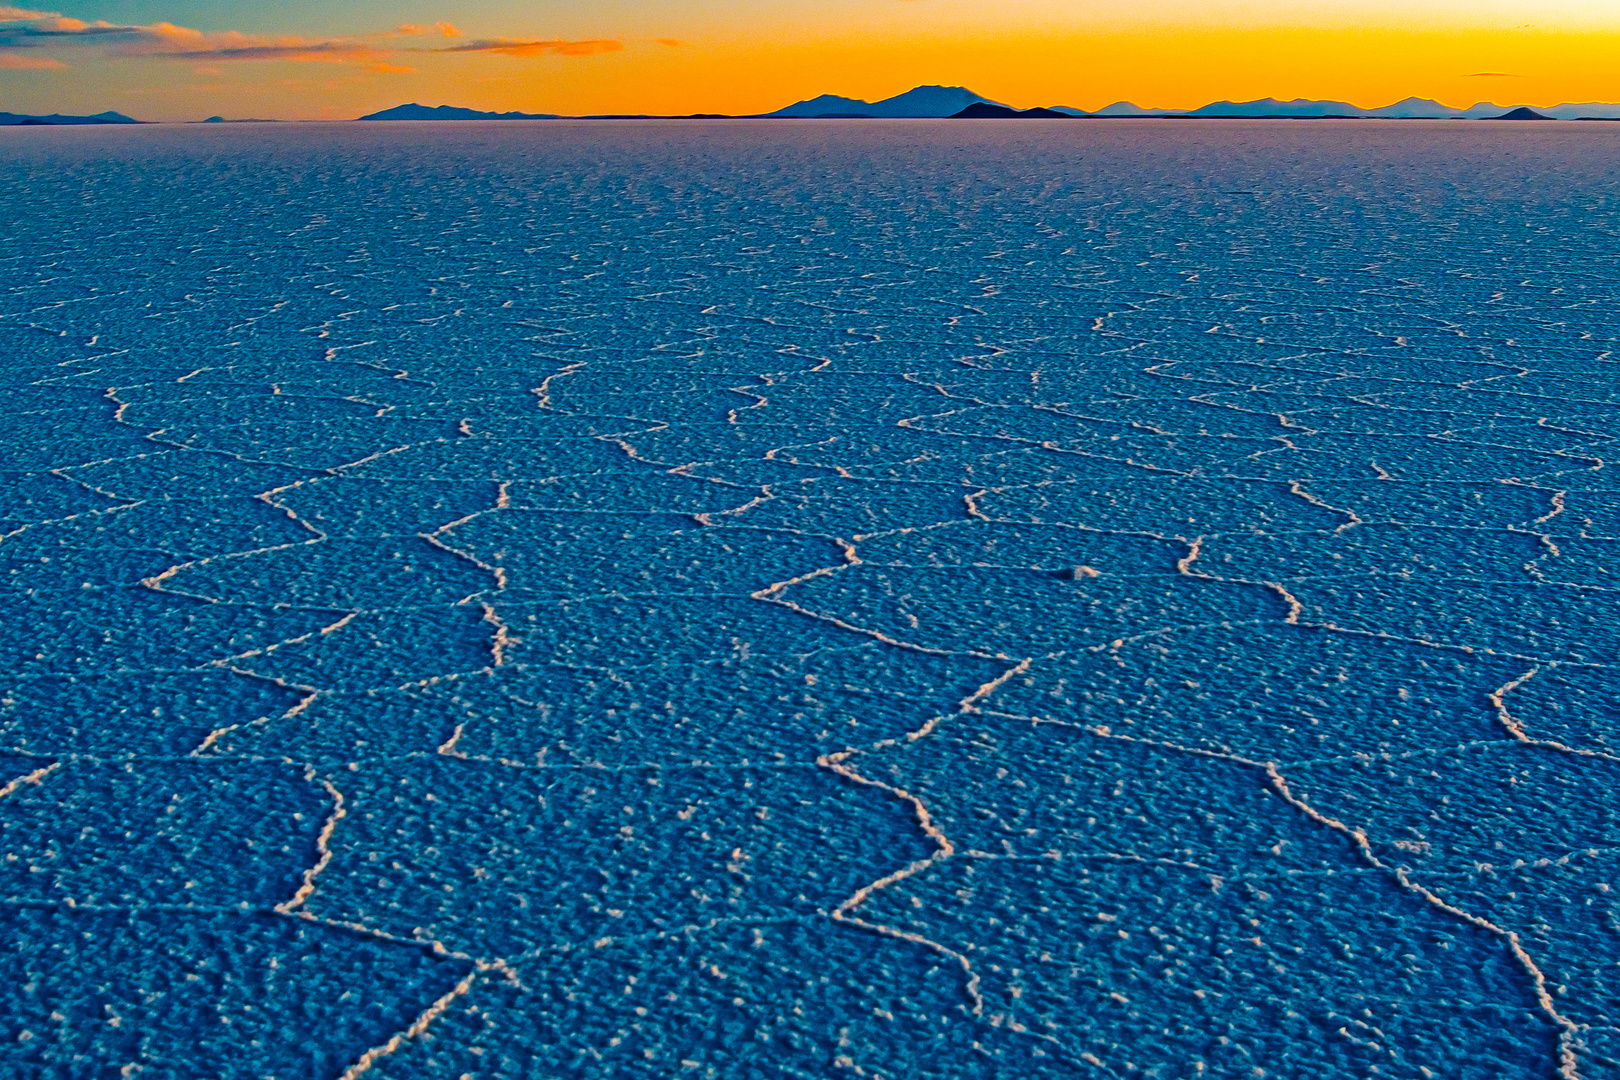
[(23, 62), (57, 28), (674, 43), (17, 14), (329, 52), (60, 31), (1492, 75), (443, 29), (524, 47)]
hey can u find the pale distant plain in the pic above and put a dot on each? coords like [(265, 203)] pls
[(890, 599)]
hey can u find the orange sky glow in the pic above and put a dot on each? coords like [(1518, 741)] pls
[(602, 58)]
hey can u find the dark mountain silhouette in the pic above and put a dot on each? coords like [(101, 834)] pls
[(919, 102), (826, 106), (1272, 109), (983, 110), (1521, 113), (414, 111), (58, 120)]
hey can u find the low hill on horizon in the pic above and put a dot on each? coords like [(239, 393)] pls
[(414, 111), (983, 110), (8, 119), (1299, 107)]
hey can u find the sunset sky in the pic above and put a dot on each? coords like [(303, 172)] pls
[(315, 59)]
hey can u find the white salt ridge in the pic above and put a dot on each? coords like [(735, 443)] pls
[(1090, 598)]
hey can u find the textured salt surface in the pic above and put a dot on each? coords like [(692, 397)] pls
[(893, 600)]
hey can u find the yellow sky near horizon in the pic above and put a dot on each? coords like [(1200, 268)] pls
[(1165, 69)]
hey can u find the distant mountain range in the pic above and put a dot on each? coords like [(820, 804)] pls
[(1412, 108), (941, 102), (58, 120), (958, 102), (414, 111)]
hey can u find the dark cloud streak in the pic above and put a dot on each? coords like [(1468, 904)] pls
[(22, 37), (521, 47), (332, 49)]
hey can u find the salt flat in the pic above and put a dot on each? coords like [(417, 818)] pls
[(888, 599)]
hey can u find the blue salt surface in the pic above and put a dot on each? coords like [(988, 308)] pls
[(894, 600)]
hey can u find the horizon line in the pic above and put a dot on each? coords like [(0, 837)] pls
[(1248, 109)]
